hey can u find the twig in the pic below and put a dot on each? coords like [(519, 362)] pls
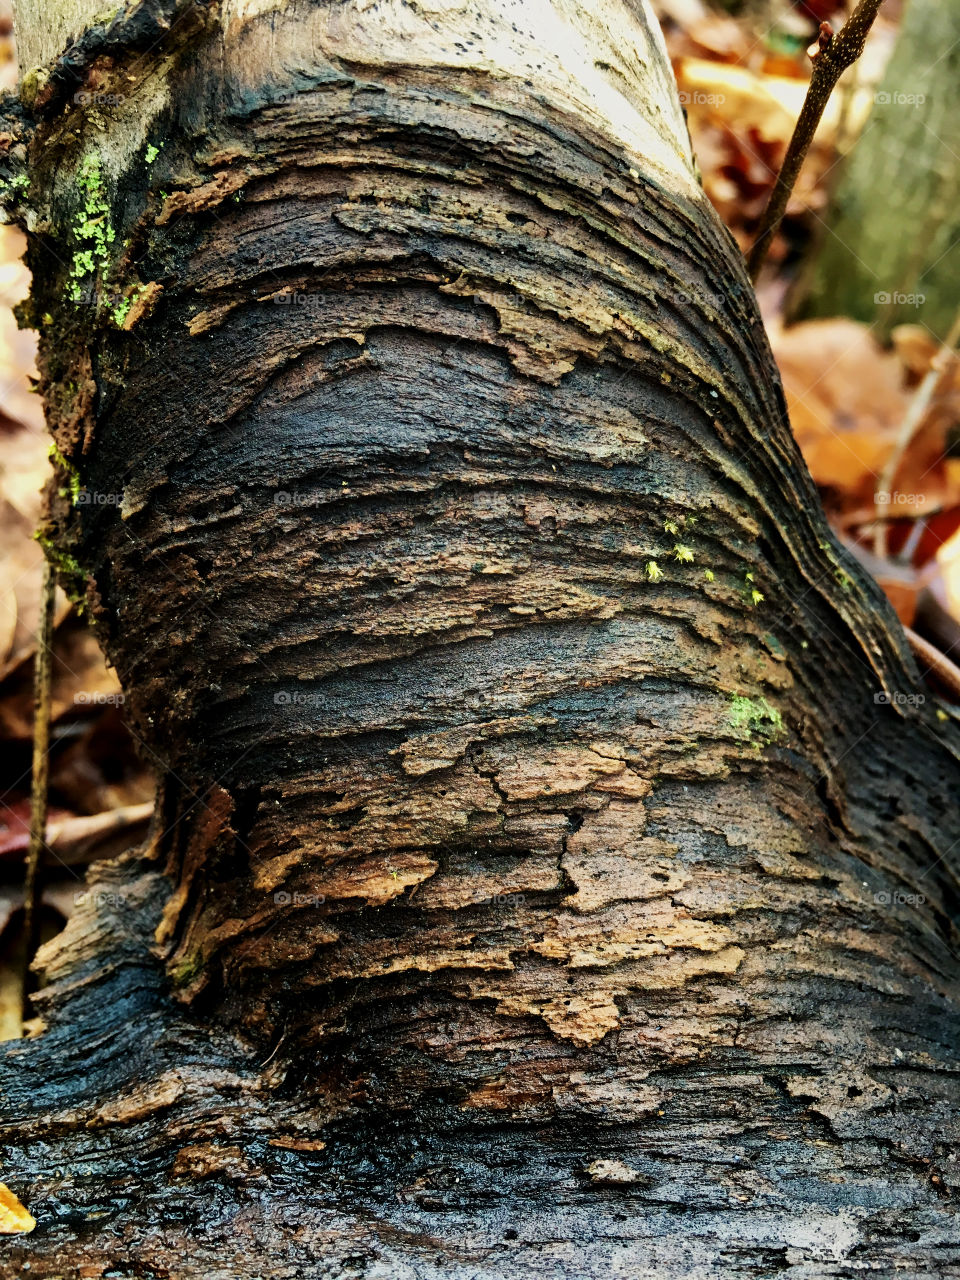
[(937, 662), (916, 413), (834, 55), (73, 839), (42, 681)]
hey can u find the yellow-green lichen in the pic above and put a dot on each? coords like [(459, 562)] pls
[(755, 715)]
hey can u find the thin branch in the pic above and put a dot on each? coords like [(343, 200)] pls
[(835, 54), (915, 415), (937, 663), (42, 682)]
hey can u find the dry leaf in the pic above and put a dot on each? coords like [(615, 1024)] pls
[(845, 397), (14, 1218), (847, 402), (916, 347)]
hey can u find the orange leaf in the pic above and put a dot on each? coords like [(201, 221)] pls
[(14, 1218)]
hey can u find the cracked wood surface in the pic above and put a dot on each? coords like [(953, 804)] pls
[(538, 887)]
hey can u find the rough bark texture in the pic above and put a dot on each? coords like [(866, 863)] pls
[(539, 886), (892, 253)]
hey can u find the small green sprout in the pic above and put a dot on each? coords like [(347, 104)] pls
[(756, 597), (709, 575), (151, 153), (683, 553), (120, 311), (670, 526), (654, 572)]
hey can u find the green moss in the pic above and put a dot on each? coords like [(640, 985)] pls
[(751, 595), (120, 310), (74, 483), (122, 307), (19, 182), (72, 575), (151, 153), (755, 715), (843, 578), (183, 973), (31, 84), (92, 229)]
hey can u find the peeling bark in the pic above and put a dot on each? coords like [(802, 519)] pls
[(539, 886)]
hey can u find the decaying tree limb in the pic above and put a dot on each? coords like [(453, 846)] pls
[(554, 873)]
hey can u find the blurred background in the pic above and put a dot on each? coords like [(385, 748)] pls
[(860, 298)]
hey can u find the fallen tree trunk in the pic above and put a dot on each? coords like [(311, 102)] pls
[(553, 866)]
